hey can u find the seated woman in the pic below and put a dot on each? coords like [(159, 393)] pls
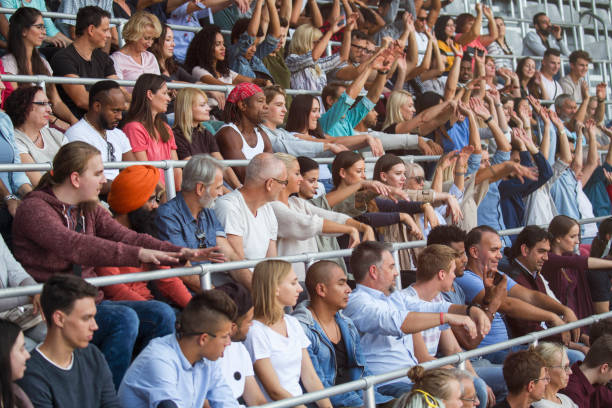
[(300, 222), (151, 138), (53, 36), (163, 49), (29, 110), (133, 59), (191, 137), (206, 60), (26, 34), (276, 342), (432, 388), (559, 371), (13, 356)]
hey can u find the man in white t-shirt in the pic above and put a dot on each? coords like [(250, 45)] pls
[(420, 25), (98, 127), (246, 215), (551, 63), (236, 362)]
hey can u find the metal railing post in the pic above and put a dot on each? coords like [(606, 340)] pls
[(398, 278), (205, 278), (169, 177), (369, 399)]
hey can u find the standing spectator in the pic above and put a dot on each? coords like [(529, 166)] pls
[(66, 370), (277, 343), (84, 58), (29, 110), (98, 127), (151, 138), (500, 46), (526, 377), (587, 383), (572, 83), (183, 369), (551, 63), (13, 355), (469, 29), (545, 36), (559, 371), (23, 58), (189, 13), (133, 59), (246, 214)]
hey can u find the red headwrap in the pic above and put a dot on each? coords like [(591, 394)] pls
[(242, 91)]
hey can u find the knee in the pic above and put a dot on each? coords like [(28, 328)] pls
[(164, 315), (126, 323)]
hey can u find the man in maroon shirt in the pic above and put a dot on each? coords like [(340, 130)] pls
[(587, 384)]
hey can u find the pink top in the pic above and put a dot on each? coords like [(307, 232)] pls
[(130, 70), (141, 141)]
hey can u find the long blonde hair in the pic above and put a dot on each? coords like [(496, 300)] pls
[(267, 276), (183, 110), (286, 158), (394, 113)]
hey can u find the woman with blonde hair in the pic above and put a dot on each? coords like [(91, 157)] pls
[(276, 342), (191, 136), (432, 388), (559, 371), (133, 59)]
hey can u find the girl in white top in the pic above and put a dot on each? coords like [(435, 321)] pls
[(276, 341), (29, 110), (559, 371), (299, 221)]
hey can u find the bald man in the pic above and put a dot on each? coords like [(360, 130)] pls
[(246, 215), (334, 341)]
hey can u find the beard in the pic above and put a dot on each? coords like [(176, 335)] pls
[(143, 221), (206, 201)]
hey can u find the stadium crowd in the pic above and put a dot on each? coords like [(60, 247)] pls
[(402, 78)]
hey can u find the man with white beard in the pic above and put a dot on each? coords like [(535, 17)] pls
[(189, 218)]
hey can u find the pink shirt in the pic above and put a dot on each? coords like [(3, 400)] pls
[(130, 70), (141, 141)]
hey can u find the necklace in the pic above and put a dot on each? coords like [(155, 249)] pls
[(323, 327), (103, 134)]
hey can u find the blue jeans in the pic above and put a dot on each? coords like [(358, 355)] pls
[(493, 376), (396, 389), (126, 327)]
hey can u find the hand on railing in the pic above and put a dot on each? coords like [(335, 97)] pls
[(569, 316)]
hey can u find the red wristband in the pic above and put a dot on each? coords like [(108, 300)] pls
[(441, 318)]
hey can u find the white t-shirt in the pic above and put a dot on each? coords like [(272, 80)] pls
[(199, 72), (83, 132), (421, 40), (236, 366), (237, 219), (566, 402), (53, 139), (553, 88), (285, 353), (10, 64)]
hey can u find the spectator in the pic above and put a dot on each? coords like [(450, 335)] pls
[(466, 72), (593, 175), (358, 54), (66, 203), (151, 138), (387, 319), (92, 30), (337, 357), (23, 57), (528, 255), (188, 219), (500, 46), (545, 37), (573, 83), (29, 110), (587, 383), (277, 344), (526, 377), (133, 59), (123, 9), (13, 355), (183, 369), (66, 369), (236, 361), (559, 371), (445, 33), (133, 201), (163, 49), (240, 137), (469, 399), (469, 29), (189, 14), (98, 127), (190, 134), (600, 282), (431, 387), (13, 275), (529, 81), (551, 63), (246, 215)]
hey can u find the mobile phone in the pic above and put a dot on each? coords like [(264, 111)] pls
[(470, 50), (480, 52), (498, 278)]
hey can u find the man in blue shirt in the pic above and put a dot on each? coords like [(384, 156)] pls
[(183, 368), (386, 319), (188, 219)]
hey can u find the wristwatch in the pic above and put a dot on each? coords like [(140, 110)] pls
[(10, 197)]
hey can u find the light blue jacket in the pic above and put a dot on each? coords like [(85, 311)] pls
[(323, 356), (12, 180)]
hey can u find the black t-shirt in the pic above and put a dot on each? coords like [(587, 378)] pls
[(202, 141), (67, 61), (342, 373)]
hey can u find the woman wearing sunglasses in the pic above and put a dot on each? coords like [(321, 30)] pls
[(29, 110), (559, 371), (437, 388)]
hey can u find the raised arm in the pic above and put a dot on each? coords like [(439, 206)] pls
[(593, 155), (255, 19), (486, 40), (453, 76), (321, 45), (565, 153), (474, 32), (274, 29)]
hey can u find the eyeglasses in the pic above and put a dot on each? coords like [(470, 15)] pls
[(110, 149), (566, 368), (473, 400), (283, 182), (41, 26), (545, 379), (362, 49), (429, 399), (48, 103), (418, 179)]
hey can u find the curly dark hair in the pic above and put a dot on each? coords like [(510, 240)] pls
[(201, 52), (19, 104)]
